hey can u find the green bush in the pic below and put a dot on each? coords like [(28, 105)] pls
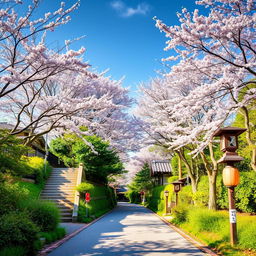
[(16, 229), (44, 214), (11, 195), (133, 196), (180, 214), (245, 192), (156, 199), (85, 187), (13, 250), (54, 235), (102, 200), (40, 171)]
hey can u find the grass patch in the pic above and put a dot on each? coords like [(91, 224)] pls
[(52, 236), (34, 190), (212, 228)]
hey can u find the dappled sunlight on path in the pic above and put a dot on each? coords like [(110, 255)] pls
[(128, 230)]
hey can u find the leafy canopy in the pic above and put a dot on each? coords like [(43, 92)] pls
[(73, 150)]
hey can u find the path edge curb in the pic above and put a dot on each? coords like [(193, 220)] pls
[(199, 245), (58, 243)]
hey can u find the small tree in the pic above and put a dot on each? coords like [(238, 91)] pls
[(99, 162)]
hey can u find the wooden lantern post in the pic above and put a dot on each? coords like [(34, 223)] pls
[(176, 187), (228, 145), (166, 195)]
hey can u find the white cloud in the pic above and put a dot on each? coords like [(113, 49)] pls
[(126, 11)]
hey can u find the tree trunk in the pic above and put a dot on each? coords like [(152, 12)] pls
[(212, 171), (192, 174), (212, 204), (194, 182), (179, 166)]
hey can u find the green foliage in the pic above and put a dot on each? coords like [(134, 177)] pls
[(142, 181), (213, 226), (247, 232), (13, 250), (16, 229), (11, 151), (44, 214), (72, 150), (33, 190), (186, 195), (11, 195), (54, 235), (85, 187), (40, 172), (102, 200), (133, 196), (180, 214), (203, 219), (156, 198), (245, 192)]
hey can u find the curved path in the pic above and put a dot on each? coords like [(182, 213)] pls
[(128, 230)]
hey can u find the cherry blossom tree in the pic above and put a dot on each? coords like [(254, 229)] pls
[(216, 55), (163, 127), (47, 90)]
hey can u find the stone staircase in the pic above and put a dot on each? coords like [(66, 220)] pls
[(60, 189)]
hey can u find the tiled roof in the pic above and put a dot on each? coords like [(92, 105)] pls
[(160, 166)]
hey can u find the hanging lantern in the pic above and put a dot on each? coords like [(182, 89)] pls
[(230, 176)]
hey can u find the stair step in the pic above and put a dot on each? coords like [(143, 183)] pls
[(69, 198), (59, 189), (61, 195), (64, 210), (66, 219)]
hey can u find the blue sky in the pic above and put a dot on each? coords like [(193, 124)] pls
[(120, 35)]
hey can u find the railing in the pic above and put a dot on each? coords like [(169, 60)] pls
[(77, 196)]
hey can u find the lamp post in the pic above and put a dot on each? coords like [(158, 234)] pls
[(176, 186), (166, 194), (228, 145)]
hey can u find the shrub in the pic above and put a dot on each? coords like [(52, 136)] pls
[(14, 250), (40, 171), (11, 195), (54, 235), (44, 214), (84, 187), (245, 192), (16, 229), (186, 195), (102, 200), (133, 196), (180, 214)]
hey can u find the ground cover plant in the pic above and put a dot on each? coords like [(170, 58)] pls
[(212, 227)]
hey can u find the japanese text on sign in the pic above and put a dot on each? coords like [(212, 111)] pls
[(232, 215)]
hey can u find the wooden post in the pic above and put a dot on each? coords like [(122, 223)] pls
[(166, 204), (86, 210), (232, 215), (176, 201)]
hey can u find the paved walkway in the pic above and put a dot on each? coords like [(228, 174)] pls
[(128, 230), (71, 227)]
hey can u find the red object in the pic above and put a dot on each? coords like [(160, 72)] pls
[(87, 197)]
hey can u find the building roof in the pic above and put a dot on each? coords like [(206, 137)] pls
[(6, 126), (160, 167)]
